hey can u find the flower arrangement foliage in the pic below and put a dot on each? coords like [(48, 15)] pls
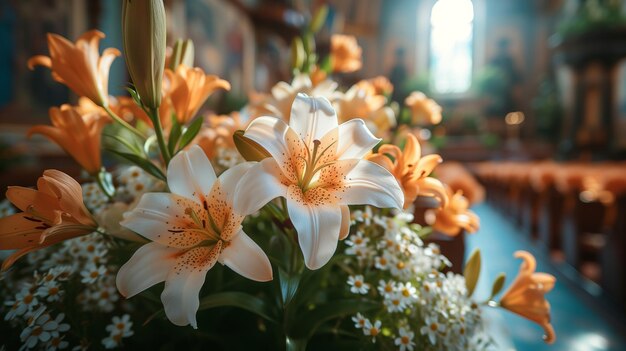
[(291, 220)]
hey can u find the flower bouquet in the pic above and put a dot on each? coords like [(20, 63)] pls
[(289, 224)]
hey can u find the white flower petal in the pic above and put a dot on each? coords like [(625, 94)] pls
[(312, 118), (355, 140), (259, 186), (157, 213), (190, 174), (367, 183), (230, 179), (275, 136), (183, 283), (345, 222), (271, 133), (318, 231), (149, 265), (246, 258)]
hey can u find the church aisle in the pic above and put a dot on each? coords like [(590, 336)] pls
[(580, 324)]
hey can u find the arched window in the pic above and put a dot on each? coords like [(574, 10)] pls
[(451, 39)]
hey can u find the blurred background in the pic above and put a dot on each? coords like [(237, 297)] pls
[(553, 169)]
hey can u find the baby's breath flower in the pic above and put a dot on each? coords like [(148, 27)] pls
[(372, 329), (92, 272), (359, 321), (357, 285), (50, 291), (119, 328), (57, 343), (405, 339), (43, 330), (386, 287)]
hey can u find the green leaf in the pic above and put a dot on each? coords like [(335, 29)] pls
[(190, 133), (288, 285), (132, 147), (319, 18), (297, 53), (327, 64), (133, 93), (498, 284), (106, 181), (305, 324), (472, 272), (145, 164), (249, 149), (175, 134), (241, 300)]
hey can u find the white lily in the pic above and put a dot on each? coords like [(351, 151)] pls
[(191, 229), (318, 166)]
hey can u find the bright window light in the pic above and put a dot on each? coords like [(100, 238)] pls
[(451, 24)]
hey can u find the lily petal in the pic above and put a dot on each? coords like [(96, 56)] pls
[(184, 171), (355, 140), (260, 185), (368, 183), (312, 118), (318, 230), (230, 179), (183, 283), (161, 217), (280, 141), (149, 265), (345, 222), (246, 258)]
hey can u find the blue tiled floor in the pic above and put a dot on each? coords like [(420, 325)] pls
[(579, 323)]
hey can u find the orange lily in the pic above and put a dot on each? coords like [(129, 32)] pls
[(219, 134), (345, 53), (79, 65), (411, 170), (127, 106), (362, 101), (53, 213), (457, 177), (455, 216), (79, 135), (283, 94), (381, 85), (525, 296), (317, 75), (423, 109), (190, 88)]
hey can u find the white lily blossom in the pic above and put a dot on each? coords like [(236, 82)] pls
[(191, 229), (317, 166)]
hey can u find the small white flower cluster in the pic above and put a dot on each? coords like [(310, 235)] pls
[(88, 256), (120, 327), (392, 244), (422, 307), (30, 307), (451, 318), (94, 198), (227, 158), (134, 182), (369, 329)]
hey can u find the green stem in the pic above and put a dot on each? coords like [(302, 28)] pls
[(158, 129), (122, 122)]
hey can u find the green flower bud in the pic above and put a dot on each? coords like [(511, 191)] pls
[(249, 149), (144, 32), (297, 54), (182, 54)]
